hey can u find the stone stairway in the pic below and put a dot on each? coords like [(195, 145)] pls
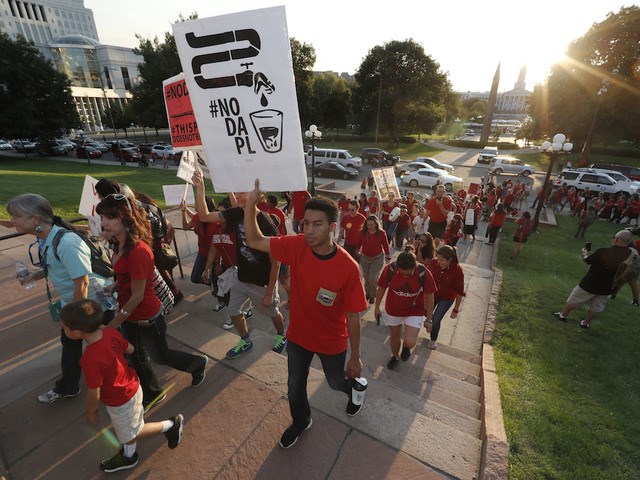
[(429, 407)]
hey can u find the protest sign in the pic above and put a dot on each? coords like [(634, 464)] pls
[(174, 194), (88, 202), (182, 121), (191, 161), (240, 80), (385, 180)]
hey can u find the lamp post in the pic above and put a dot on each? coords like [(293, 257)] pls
[(113, 124), (314, 135), (553, 151), (135, 139)]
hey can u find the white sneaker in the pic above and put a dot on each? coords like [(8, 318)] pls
[(228, 324), (51, 396)]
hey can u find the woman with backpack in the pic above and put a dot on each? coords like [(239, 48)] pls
[(68, 266), (524, 226), (409, 302), (449, 279), (141, 314)]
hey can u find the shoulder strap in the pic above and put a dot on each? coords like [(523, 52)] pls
[(422, 273), (391, 272), (56, 241)]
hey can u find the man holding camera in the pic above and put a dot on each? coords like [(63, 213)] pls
[(597, 285)]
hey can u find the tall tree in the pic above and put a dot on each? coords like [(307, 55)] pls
[(597, 88), (332, 98), (303, 57), (409, 85), (35, 97)]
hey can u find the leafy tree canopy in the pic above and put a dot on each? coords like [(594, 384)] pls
[(303, 58), (35, 97), (412, 91), (332, 100)]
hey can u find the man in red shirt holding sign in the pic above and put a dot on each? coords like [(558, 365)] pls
[(326, 299), (438, 207)]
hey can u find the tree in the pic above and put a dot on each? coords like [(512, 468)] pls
[(332, 100), (409, 86), (35, 97), (573, 96), (122, 117), (303, 57)]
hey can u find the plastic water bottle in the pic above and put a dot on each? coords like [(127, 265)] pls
[(358, 389), (106, 299), (24, 276)]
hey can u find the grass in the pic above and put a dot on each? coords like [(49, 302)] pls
[(570, 396)]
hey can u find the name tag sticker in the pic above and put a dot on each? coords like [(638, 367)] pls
[(326, 297)]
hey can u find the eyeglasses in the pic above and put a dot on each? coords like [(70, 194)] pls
[(119, 197)]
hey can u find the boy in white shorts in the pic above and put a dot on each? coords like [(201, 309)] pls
[(111, 380), (409, 302)]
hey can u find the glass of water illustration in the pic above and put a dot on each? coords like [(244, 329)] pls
[(268, 127)]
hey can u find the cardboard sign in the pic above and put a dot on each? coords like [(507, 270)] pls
[(174, 194), (191, 161), (240, 79), (182, 121), (385, 180), (88, 202)]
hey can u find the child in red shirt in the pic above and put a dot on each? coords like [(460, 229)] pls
[(409, 302), (110, 379)]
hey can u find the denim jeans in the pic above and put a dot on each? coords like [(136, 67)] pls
[(440, 308), (198, 269), (69, 383), (390, 229), (299, 361), (151, 341)]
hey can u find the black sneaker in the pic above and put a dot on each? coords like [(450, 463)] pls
[(559, 316), (583, 324), (198, 376), (174, 434), (406, 353), (391, 364), (149, 404), (119, 462), (291, 434)]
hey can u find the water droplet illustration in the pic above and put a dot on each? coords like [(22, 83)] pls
[(263, 100)]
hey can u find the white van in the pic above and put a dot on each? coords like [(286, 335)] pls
[(487, 154), (343, 157)]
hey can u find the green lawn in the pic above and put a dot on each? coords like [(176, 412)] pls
[(570, 396)]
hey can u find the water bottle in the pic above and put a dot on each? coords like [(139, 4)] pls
[(24, 276), (106, 299), (358, 389)]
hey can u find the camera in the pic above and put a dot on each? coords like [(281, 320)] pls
[(587, 246)]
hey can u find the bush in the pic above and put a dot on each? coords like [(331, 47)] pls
[(473, 144)]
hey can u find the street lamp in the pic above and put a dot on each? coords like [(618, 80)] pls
[(314, 135), (553, 150), (113, 124)]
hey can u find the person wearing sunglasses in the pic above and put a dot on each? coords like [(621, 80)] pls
[(141, 314), (69, 272)]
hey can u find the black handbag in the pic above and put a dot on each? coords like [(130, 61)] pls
[(165, 257)]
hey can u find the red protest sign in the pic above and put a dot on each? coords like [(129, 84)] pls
[(182, 120)]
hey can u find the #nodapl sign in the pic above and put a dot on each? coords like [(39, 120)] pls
[(182, 121)]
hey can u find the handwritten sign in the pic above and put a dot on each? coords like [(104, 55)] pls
[(182, 121), (240, 80), (385, 180), (89, 199), (174, 194)]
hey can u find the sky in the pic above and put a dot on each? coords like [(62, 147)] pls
[(467, 39)]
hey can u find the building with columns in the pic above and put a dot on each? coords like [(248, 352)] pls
[(65, 32)]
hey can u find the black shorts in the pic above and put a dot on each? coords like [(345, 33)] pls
[(469, 229), (436, 229)]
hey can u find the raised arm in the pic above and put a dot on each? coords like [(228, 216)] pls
[(255, 238), (201, 205)]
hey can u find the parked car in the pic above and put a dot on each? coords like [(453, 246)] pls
[(487, 154), (83, 151), (343, 157), (413, 166), (24, 146), (4, 145), (500, 165), (469, 133), (335, 170), (598, 181), (435, 163), (145, 147), (378, 156), (627, 170), (52, 148), (160, 150), (115, 144), (67, 144), (98, 146), (427, 177), (131, 154)]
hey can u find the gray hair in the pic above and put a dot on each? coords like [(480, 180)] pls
[(624, 236), (29, 205)]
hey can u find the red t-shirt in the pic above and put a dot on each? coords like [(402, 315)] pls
[(343, 205), (435, 214), (137, 265), (450, 281), (105, 367), (410, 203), (323, 290), (386, 210), (352, 225), (404, 223), (299, 198), (374, 205), (204, 232), (282, 226), (373, 245), (405, 296), (225, 244), (497, 219)]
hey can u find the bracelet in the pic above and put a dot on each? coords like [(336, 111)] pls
[(428, 321), (124, 312)]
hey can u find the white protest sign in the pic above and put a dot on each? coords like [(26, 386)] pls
[(88, 201), (173, 194), (191, 161), (240, 79), (385, 180)]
